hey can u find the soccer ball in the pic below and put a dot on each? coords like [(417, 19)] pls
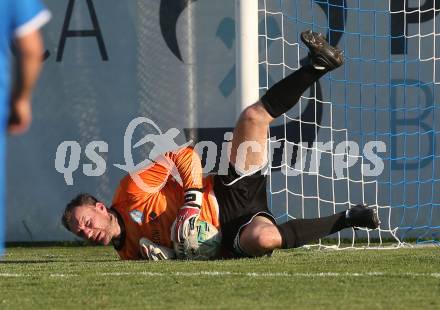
[(209, 239), (208, 243)]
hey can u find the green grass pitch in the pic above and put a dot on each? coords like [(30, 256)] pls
[(86, 277)]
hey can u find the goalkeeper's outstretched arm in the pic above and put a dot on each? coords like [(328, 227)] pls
[(183, 230)]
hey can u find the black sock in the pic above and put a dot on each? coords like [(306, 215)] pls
[(282, 96), (298, 232)]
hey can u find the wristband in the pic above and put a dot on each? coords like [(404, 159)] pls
[(194, 196)]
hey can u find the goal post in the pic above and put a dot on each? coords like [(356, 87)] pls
[(246, 28), (365, 133)]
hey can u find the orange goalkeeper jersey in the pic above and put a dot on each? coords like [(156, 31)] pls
[(151, 213)]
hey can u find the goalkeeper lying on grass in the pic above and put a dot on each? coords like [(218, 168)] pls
[(174, 220)]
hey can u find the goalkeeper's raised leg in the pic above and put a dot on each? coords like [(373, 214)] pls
[(247, 225)]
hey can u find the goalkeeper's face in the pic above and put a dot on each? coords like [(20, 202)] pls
[(93, 222)]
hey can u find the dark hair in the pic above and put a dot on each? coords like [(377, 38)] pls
[(80, 200)]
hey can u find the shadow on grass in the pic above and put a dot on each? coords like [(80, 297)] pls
[(51, 261), (28, 261), (46, 244)]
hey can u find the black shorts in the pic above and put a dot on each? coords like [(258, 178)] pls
[(240, 199)]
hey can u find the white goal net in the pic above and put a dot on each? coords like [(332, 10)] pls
[(365, 133)]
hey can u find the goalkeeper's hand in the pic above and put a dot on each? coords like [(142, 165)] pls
[(151, 251), (184, 231)]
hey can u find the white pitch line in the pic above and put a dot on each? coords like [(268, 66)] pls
[(11, 275), (227, 273), (62, 275)]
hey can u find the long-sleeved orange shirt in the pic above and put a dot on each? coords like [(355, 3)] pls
[(151, 213)]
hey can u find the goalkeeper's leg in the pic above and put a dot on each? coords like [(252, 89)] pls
[(253, 124), (261, 236)]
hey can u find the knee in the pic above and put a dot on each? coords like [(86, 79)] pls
[(264, 241), (259, 240), (255, 114)]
